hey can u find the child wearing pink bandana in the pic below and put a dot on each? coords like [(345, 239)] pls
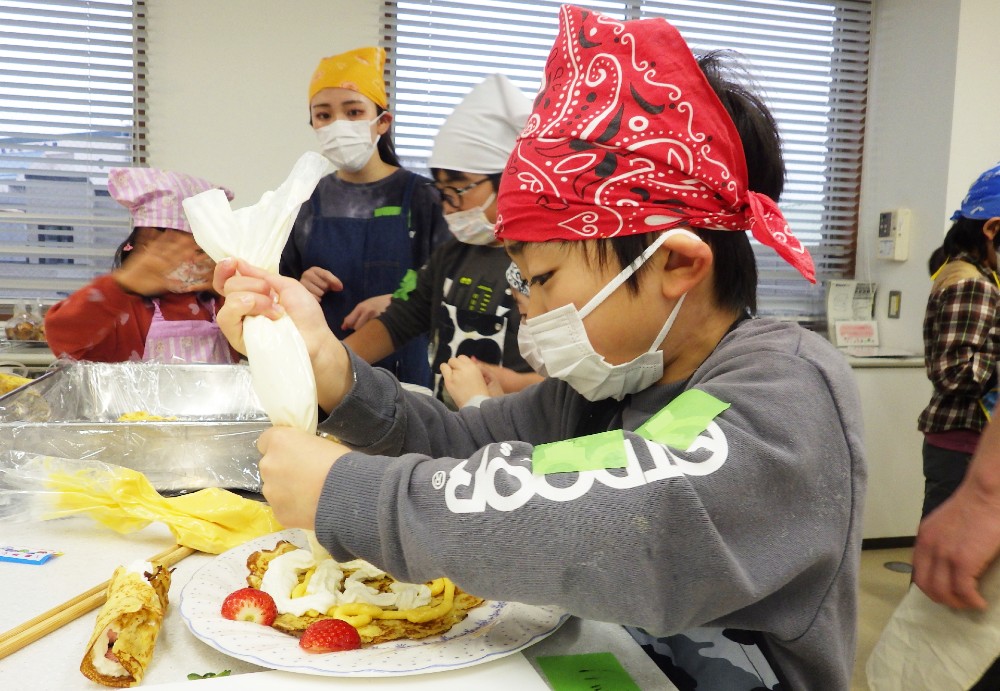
[(686, 469)]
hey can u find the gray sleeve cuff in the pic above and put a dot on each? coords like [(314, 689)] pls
[(366, 417), (347, 515)]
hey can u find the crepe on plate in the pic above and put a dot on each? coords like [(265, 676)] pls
[(376, 624), (121, 646)]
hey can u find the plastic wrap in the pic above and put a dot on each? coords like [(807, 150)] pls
[(36, 488), (212, 419)]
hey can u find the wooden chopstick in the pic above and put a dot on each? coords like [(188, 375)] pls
[(47, 622)]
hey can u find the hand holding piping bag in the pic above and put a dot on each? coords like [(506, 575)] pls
[(280, 361)]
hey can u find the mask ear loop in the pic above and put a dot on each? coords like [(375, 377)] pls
[(633, 266), (489, 200), (666, 326)]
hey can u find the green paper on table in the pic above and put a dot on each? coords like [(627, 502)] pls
[(589, 672)]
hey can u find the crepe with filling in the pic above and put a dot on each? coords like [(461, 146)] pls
[(127, 625), (377, 630)]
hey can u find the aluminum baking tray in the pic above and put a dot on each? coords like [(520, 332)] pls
[(76, 412)]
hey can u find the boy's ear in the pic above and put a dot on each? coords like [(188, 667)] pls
[(688, 263)]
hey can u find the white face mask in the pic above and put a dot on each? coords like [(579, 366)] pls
[(555, 344), (348, 144), (471, 225)]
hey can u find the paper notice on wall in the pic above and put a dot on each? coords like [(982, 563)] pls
[(850, 301), (856, 333)]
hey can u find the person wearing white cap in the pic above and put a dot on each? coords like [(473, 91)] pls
[(157, 302), (462, 297)]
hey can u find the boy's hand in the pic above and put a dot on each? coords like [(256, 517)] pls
[(293, 468), (506, 379), (463, 379), (365, 311), (250, 291), (320, 281)]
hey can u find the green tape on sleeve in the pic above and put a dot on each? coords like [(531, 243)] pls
[(593, 452), (683, 419), (586, 672), (406, 285)]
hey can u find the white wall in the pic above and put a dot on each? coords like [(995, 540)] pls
[(228, 83), (932, 127), (975, 141)]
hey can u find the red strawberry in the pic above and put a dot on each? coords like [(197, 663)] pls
[(329, 636), (250, 604)]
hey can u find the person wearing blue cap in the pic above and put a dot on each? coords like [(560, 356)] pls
[(961, 345), (962, 348)]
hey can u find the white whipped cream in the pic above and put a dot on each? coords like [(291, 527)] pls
[(140, 567), (411, 595), (327, 587), (109, 668), (282, 576)]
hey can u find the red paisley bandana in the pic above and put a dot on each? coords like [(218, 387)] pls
[(626, 136)]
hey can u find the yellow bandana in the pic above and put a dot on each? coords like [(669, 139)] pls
[(359, 70)]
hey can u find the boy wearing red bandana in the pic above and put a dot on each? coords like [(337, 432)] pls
[(686, 469)]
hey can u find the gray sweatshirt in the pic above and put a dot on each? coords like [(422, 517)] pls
[(755, 527)]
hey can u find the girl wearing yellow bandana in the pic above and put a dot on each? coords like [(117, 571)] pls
[(370, 223)]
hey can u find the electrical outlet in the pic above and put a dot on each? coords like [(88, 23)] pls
[(895, 297)]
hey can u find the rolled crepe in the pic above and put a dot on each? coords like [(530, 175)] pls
[(127, 625)]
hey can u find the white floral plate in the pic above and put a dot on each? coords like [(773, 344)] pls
[(491, 631)]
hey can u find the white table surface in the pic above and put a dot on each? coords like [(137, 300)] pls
[(90, 555)]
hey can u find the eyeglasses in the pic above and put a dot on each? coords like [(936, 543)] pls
[(452, 196)]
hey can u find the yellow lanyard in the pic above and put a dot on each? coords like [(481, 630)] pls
[(996, 279)]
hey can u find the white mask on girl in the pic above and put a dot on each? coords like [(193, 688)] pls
[(348, 144), (471, 225), (555, 344)]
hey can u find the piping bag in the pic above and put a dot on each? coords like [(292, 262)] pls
[(280, 370)]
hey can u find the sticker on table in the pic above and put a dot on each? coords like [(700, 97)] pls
[(590, 672), (27, 556)]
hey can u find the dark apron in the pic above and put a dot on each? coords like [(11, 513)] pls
[(370, 256)]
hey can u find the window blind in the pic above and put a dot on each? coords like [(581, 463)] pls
[(72, 82), (809, 59)]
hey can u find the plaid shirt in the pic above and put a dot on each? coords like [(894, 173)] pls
[(961, 348)]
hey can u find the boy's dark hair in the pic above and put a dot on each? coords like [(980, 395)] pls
[(735, 282), (965, 235)]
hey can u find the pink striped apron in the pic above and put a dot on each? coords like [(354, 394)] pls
[(185, 340)]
